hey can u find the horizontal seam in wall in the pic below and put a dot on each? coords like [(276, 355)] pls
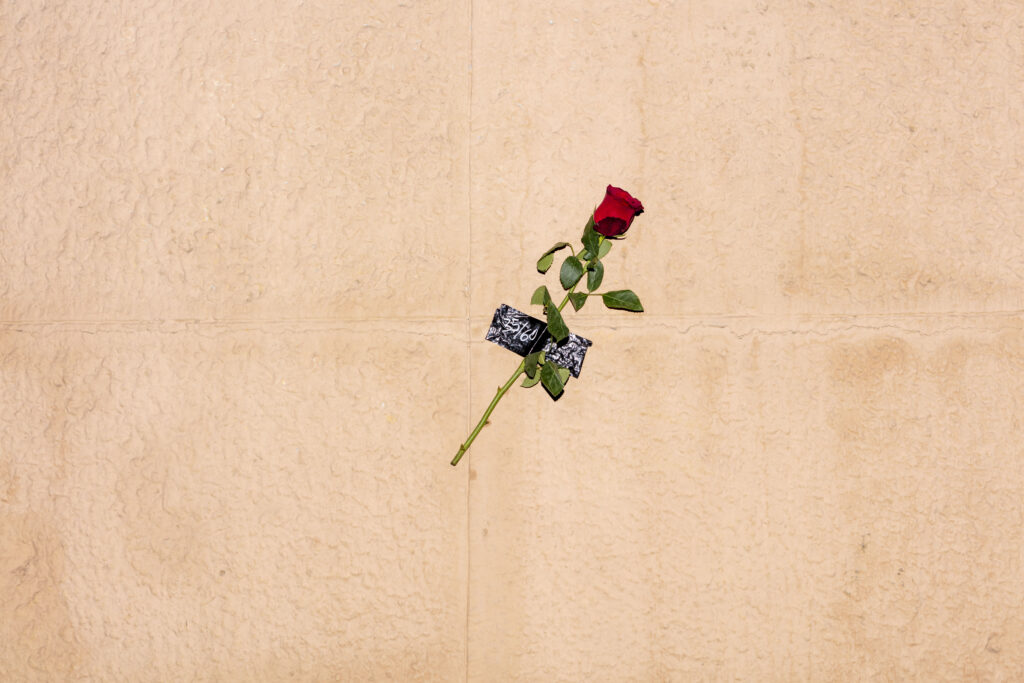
[(603, 319)]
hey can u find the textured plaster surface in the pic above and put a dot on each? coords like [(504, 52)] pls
[(229, 503), (789, 502), (233, 159), (248, 254)]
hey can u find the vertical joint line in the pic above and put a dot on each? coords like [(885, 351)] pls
[(469, 312)]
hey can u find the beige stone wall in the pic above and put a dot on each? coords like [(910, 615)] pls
[(248, 253)]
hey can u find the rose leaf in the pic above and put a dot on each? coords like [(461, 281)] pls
[(548, 258), (552, 382), (623, 299), (529, 382), (578, 299), (556, 326), (591, 237), (595, 275), (571, 272), (531, 362)]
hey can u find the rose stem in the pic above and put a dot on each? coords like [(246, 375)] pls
[(487, 413), (503, 390)]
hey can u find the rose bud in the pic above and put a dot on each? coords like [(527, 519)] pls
[(616, 213)]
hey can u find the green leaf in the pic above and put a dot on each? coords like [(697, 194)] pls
[(528, 382), (606, 246), (623, 299), (540, 296), (572, 271), (585, 255), (563, 375), (595, 275), (531, 362), (548, 258), (591, 237), (556, 326), (577, 299), (550, 378)]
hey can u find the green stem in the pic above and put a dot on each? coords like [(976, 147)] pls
[(487, 413), (573, 288), (505, 387)]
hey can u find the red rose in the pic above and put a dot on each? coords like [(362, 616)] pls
[(615, 214)]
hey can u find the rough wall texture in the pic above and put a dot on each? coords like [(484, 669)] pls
[(248, 253)]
